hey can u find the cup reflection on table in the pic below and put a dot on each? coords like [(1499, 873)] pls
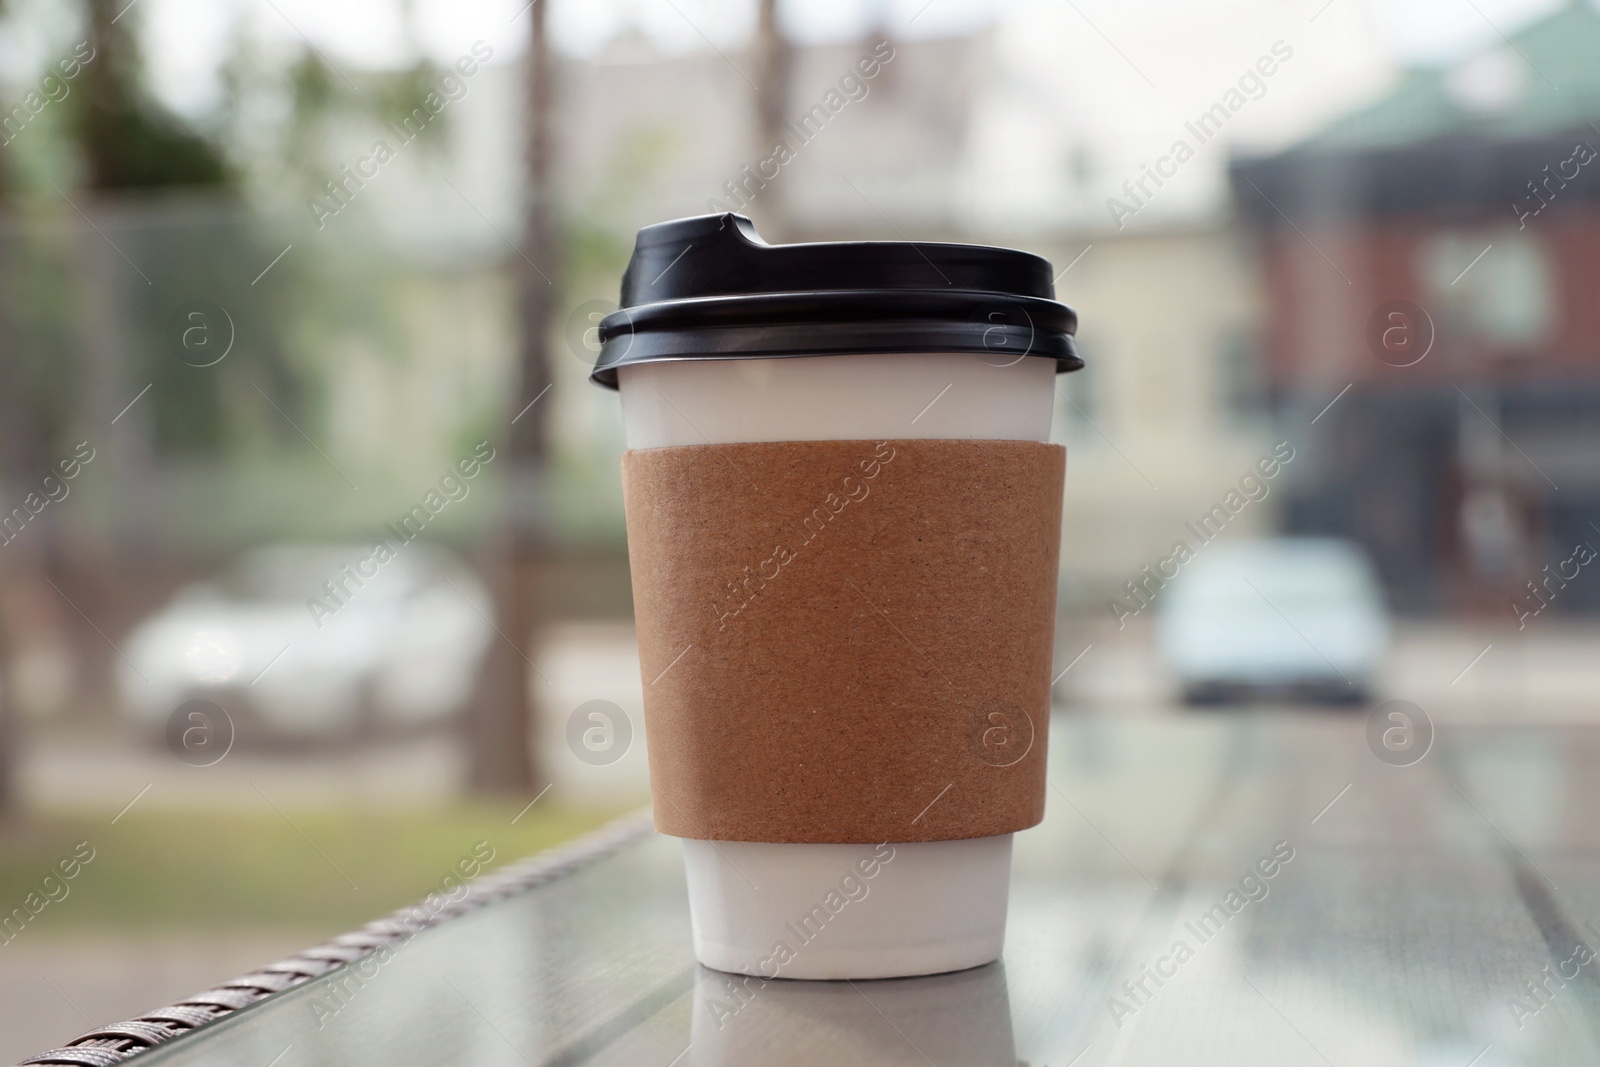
[(960, 1017)]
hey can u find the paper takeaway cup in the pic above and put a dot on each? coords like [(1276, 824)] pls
[(843, 526)]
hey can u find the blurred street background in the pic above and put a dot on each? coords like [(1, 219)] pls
[(312, 562)]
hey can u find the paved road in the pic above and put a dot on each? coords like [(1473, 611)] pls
[(1486, 673), (1458, 673)]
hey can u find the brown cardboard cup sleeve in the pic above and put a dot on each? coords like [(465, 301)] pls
[(845, 641)]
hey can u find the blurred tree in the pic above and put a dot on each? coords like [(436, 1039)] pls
[(128, 140), (83, 331), (282, 124), (24, 427), (774, 62), (15, 437), (286, 123), (504, 709), (124, 139), (269, 141)]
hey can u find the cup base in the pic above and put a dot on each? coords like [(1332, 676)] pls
[(825, 911), (841, 963)]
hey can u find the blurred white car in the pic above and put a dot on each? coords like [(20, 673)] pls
[(400, 650), (1293, 617)]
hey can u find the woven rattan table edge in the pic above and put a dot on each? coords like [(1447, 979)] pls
[(117, 1043)]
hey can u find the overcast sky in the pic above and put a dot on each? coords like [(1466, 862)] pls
[(185, 38)]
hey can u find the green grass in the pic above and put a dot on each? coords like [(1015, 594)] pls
[(165, 870)]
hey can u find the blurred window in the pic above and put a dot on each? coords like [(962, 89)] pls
[(1504, 299), (1490, 83), (1078, 401), (1241, 379)]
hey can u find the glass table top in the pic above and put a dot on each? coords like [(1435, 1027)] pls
[(1435, 914)]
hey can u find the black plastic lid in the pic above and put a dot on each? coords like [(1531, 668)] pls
[(710, 288)]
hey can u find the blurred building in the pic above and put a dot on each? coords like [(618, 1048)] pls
[(1157, 427), (991, 137), (1429, 265), (397, 309)]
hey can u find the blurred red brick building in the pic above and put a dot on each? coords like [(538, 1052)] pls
[(1432, 269)]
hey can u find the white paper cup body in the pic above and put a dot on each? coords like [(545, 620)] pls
[(942, 395), (936, 905)]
